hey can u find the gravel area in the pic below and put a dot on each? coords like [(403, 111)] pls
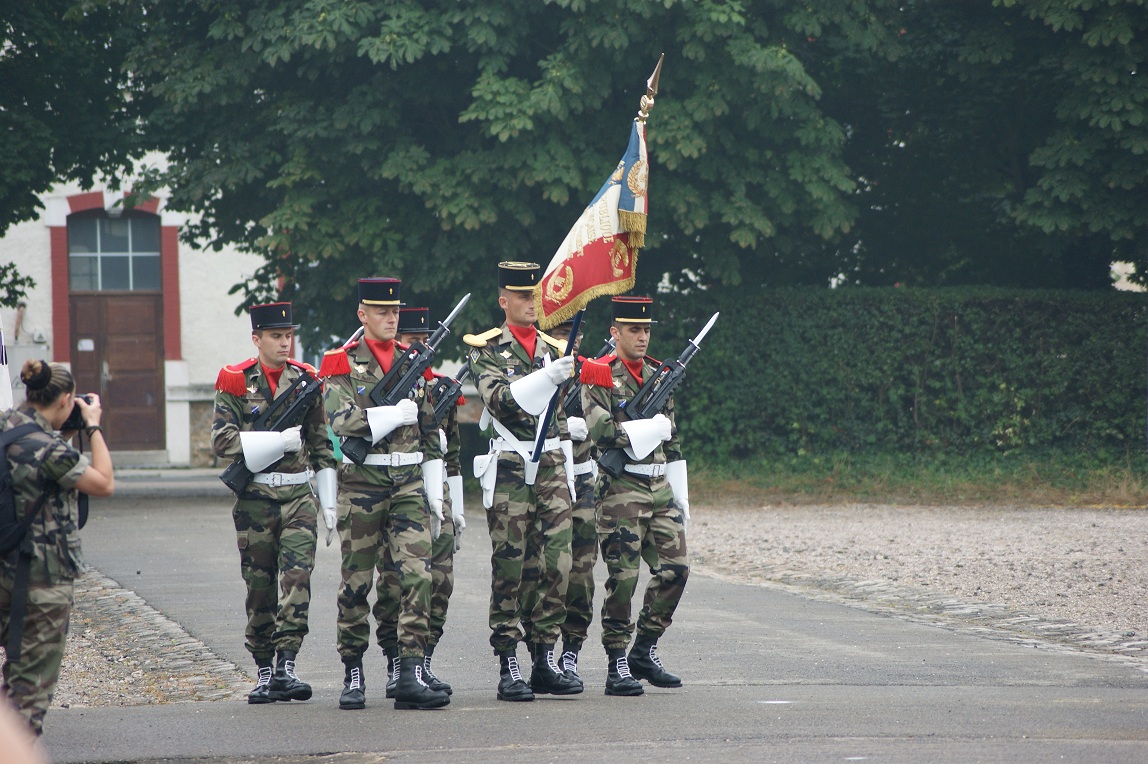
[(1063, 579)]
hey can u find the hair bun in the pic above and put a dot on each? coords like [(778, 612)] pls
[(36, 374)]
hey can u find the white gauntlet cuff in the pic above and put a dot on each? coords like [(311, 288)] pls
[(261, 449), (533, 392), (645, 436)]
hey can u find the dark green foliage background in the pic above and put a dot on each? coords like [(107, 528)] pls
[(805, 370)]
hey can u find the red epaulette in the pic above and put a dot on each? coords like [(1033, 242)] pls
[(597, 372), (231, 378), (303, 365), (654, 361), (462, 400), (429, 375), (335, 362)]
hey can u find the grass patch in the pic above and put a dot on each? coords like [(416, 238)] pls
[(1047, 479)]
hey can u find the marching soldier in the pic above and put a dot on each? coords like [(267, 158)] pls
[(517, 369), (389, 500), (644, 511), (275, 515), (414, 326)]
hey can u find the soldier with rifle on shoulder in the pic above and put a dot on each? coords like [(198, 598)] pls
[(269, 418)]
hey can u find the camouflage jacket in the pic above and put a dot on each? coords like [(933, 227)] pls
[(41, 462), (496, 359), (449, 425), (604, 407), (350, 374), (236, 412)]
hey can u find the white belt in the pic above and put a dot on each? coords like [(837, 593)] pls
[(275, 479), (550, 444), (390, 460), (646, 470), (586, 467)]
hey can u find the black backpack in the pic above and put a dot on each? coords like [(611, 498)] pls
[(13, 528)]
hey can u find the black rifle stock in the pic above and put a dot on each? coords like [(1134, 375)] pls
[(652, 397), (298, 399), (397, 383), (445, 394)]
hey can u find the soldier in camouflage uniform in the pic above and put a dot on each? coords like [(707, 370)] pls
[(584, 535), (275, 515), (517, 369), (47, 474), (414, 326), (388, 501), (644, 511)]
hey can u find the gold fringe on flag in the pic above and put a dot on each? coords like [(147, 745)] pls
[(635, 223)]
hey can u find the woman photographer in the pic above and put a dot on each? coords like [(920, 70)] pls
[(47, 475)]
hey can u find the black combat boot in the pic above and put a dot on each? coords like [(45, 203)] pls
[(510, 684), (392, 670), (284, 684), (262, 691), (570, 659), (412, 691), (618, 679), (547, 678), (433, 681), (354, 694), (645, 664)]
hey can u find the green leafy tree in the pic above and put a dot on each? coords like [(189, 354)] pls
[(62, 107), (345, 138)]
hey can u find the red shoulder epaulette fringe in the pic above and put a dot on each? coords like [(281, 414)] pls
[(231, 378), (304, 366), (429, 375), (597, 372), (335, 363)]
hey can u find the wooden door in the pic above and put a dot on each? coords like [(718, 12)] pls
[(117, 351)]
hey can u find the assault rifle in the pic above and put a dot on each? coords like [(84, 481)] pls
[(652, 398), (397, 383), (445, 394), (572, 401), (297, 399)]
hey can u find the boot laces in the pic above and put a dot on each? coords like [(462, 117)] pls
[(551, 663), (512, 667), (395, 670), (264, 676), (570, 661), (419, 675), (289, 668), (654, 657), (356, 679), (427, 669), (624, 668)]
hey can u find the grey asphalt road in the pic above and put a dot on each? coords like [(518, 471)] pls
[(769, 676)]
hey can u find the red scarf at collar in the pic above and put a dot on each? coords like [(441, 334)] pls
[(527, 337), (384, 353), (634, 367), (272, 376)]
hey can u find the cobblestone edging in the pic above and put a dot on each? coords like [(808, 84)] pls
[(910, 603), (121, 651)]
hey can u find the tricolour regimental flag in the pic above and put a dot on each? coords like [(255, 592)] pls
[(5, 380), (600, 254)]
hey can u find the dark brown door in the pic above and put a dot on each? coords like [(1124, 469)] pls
[(117, 351)]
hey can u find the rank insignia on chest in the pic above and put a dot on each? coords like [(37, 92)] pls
[(474, 355), (360, 390), (506, 354), (255, 409), (510, 371)]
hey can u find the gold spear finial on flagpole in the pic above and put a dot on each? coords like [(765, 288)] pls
[(647, 101)]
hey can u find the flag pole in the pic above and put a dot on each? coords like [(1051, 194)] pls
[(552, 407)]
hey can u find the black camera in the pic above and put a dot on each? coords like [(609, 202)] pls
[(75, 420)]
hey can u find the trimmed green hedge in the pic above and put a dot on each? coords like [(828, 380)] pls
[(816, 370)]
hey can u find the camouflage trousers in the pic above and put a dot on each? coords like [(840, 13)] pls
[(639, 520), (583, 555), (392, 521), (388, 590), (276, 555), (30, 682), (528, 521)]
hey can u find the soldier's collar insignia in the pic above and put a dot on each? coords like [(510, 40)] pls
[(506, 354), (618, 383), (253, 388), (360, 368), (474, 355)]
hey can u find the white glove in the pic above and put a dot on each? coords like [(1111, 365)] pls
[(560, 370), (568, 457), (678, 477), (442, 444), (685, 505), (292, 439), (454, 486), (328, 491), (664, 428), (432, 484), (383, 420), (578, 429)]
